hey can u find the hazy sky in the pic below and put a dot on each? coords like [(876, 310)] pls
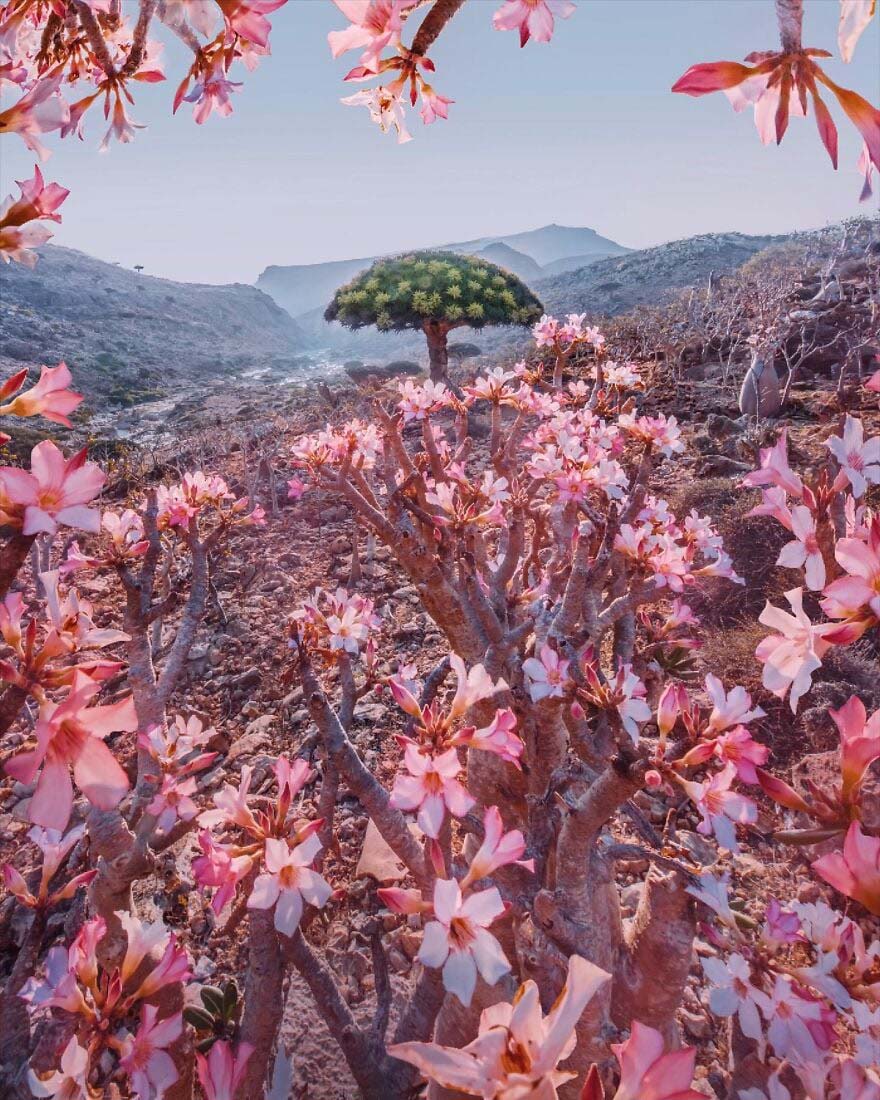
[(583, 131)]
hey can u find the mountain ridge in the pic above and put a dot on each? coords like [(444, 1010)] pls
[(301, 288)]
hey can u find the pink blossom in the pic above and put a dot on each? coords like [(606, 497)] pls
[(72, 733), (434, 105), (431, 787), (532, 18), (231, 805), (55, 849), (733, 993), (417, 402), (247, 18), (219, 868), (803, 551), (859, 742), (55, 491), (49, 398), (385, 107), (68, 1083), (859, 591), (288, 882), (646, 1073), (673, 701), (212, 93), (497, 850), (220, 1073), (775, 470), (498, 737), (473, 686), (458, 939), (859, 459), (517, 1049), (173, 801), (171, 969), (729, 708), (375, 24), (39, 111), (18, 233), (144, 1056), (855, 871), (720, 807), (790, 1017), (792, 656), (773, 503), (547, 677), (738, 746)]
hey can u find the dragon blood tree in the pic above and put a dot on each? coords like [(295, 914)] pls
[(434, 292)]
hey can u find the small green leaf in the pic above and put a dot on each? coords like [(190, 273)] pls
[(199, 1019)]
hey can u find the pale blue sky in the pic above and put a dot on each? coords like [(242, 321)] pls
[(581, 132)]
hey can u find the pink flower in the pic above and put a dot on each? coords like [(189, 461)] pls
[(171, 969), (803, 551), (56, 490), (458, 939), (738, 746), (68, 1083), (288, 882), (498, 737), (729, 708), (434, 105), (385, 107), (859, 742), (673, 701), (49, 398), (417, 402), (790, 1018), (221, 1072), (532, 18), (212, 93), (646, 1073), (792, 656), (432, 788), (547, 677), (173, 801), (473, 686), (55, 849), (856, 870), (247, 18), (733, 993), (775, 470), (144, 1057), (40, 111), (858, 593), (497, 850), (375, 24), (72, 733), (720, 807), (517, 1049), (38, 201), (217, 867), (859, 460)]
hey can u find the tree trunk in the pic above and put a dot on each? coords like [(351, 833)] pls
[(438, 357)]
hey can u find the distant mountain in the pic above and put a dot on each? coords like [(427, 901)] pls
[(131, 337), (518, 262), (300, 288), (616, 284), (553, 242)]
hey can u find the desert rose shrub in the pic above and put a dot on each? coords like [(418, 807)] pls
[(560, 582)]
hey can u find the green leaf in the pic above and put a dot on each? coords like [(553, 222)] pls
[(199, 1019)]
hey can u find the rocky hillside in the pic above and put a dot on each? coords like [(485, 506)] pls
[(303, 288), (132, 337), (616, 284)]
